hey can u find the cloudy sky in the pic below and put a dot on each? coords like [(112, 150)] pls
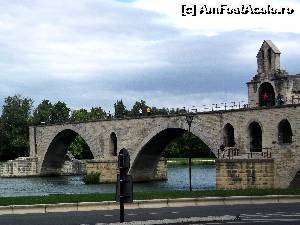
[(92, 52)]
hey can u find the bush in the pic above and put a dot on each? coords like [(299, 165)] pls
[(92, 178)]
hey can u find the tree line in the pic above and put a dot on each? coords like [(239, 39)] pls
[(18, 114)]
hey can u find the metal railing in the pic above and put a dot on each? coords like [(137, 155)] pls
[(228, 153), (260, 153), (234, 152)]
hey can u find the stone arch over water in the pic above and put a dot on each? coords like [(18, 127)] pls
[(146, 160), (56, 152)]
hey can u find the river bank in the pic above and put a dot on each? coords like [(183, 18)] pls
[(185, 161), (76, 198)]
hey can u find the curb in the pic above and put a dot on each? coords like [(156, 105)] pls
[(143, 204)]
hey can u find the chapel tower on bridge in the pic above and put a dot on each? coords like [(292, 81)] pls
[(272, 85)]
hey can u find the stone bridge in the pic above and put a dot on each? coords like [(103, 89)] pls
[(269, 123), (146, 138)]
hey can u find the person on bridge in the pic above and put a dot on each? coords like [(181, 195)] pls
[(265, 99), (280, 99), (148, 111)]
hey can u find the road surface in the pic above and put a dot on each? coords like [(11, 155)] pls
[(249, 214)]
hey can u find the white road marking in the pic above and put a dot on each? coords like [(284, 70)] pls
[(193, 220), (290, 215), (175, 212), (236, 222), (261, 222), (255, 216), (131, 214), (274, 214), (268, 220), (108, 215), (153, 213)]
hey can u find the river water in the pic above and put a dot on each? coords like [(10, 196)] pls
[(203, 177)]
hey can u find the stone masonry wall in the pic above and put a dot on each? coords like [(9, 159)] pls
[(27, 166), (20, 167), (286, 156), (244, 173), (160, 173), (108, 169), (74, 167)]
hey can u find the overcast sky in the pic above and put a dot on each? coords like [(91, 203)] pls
[(92, 52)]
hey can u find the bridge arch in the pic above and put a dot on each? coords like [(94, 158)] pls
[(255, 136), (285, 133), (113, 144), (228, 135), (149, 151), (295, 182), (55, 155), (266, 94)]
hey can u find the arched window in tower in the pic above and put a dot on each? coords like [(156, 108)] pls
[(228, 133), (270, 58), (255, 136), (113, 144), (266, 95), (285, 134)]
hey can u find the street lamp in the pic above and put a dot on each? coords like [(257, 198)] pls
[(189, 119)]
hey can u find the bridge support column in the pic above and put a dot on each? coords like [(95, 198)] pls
[(108, 168), (244, 173)]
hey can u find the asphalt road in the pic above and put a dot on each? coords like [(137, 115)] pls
[(249, 214)]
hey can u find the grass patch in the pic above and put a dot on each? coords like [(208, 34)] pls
[(52, 199), (185, 161)]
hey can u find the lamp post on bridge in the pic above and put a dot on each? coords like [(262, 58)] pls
[(189, 119)]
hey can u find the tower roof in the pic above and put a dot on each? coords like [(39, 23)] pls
[(271, 45)]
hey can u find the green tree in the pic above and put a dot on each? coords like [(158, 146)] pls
[(184, 145), (4, 147), (14, 127), (158, 111), (97, 113), (42, 113), (120, 109), (79, 115), (137, 106), (80, 149), (59, 113)]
